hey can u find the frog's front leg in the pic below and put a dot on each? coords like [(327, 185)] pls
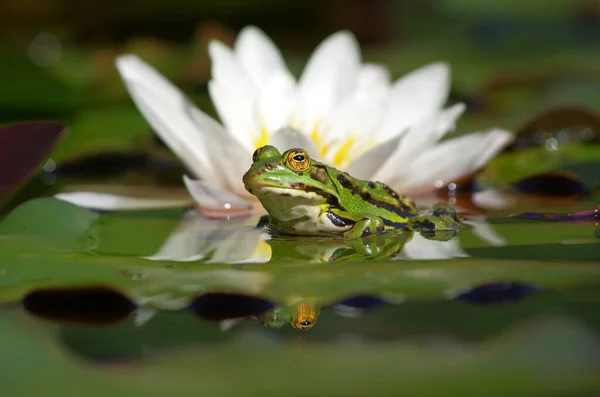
[(362, 224)]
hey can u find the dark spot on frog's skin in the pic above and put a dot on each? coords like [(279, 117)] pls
[(372, 184), (366, 232), (345, 182), (266, 167), (425, 224), (390, 191), (338, 220), (329, 198), (400, 208), (395, 225), (320, 175)]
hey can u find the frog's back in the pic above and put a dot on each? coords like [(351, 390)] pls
[(372, 197)]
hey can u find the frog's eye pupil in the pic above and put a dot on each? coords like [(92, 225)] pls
[(299, 158)]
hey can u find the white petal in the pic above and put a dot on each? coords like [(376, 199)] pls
[(278, 100), (372, 76), (493, 199), (196, 236), (357, 116), (329, 76), (421, 248), (115, 202), (226, 325), (215, 198), (226, 68), (368, 163), (248, 245), (453, 159), (230, 158), (258, 55), (165, 108), (234, 94), (485, 231), (143, 315), (290, 138), (238, 113), (417, 140), (416, 96)]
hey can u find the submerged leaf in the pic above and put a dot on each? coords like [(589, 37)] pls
[(86, 304), (556, 126), (555, 183), (224, 305), (500, 292)]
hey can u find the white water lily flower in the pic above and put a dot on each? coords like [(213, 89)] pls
[(342, 111)]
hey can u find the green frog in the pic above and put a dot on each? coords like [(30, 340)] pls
[(302, 316), (306, 197)]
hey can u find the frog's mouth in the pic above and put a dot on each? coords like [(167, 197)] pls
[(292, 191)]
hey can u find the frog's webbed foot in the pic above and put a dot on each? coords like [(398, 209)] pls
[(366, 225), (441, 224)]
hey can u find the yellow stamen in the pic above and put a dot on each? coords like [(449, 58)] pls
[(263, 137), (316, 139), (262, 250), (341, 156)]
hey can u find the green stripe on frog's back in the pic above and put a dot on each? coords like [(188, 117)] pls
[(373, 197)]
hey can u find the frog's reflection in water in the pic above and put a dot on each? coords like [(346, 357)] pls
[(239, 241), (302, 316)]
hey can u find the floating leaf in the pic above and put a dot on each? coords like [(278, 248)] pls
[(50, 220), (23, 148)]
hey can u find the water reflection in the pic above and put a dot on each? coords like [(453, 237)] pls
[(104, 306), (500, 292), (244, 241), (86, 304), (234, 240)]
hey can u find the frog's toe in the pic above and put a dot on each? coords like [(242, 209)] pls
[(366, 227), (440, 235)]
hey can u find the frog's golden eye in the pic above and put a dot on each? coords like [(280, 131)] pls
[(298, 160), (304, 322)]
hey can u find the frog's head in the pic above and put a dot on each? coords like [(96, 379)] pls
[(292, 176)]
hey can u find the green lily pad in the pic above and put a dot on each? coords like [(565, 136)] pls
[(103, 129)]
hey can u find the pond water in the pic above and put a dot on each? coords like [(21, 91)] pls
[(170, 300)]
